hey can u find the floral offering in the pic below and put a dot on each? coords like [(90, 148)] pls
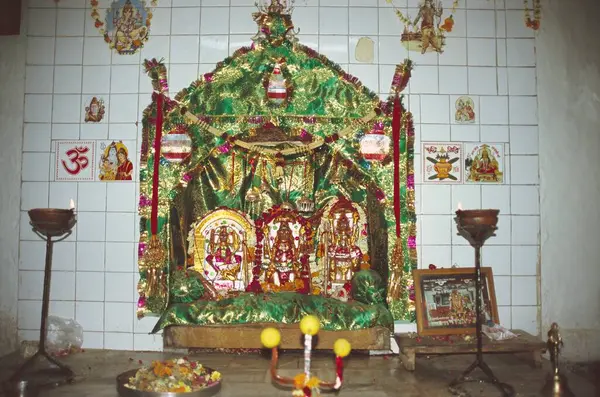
[(175, 376)]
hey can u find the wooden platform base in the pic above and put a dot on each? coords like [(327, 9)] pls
[(410, 347), (248, 337)]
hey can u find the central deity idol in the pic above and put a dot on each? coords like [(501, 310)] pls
[(284, 266)]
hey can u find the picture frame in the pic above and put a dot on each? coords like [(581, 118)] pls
[(445, 300)]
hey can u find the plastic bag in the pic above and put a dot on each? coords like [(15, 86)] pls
[(64, 336), (497, 332)]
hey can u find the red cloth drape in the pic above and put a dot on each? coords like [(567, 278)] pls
[(157, 141)]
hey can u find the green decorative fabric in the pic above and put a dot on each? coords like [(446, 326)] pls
[(322, 101), (283, 307), (368, 287)]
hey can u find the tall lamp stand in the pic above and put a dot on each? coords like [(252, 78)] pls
[(48, 223), (476, 226)]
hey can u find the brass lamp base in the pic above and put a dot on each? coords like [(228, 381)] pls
[(557, 386)]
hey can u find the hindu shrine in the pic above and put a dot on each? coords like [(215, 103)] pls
[(274, 187)]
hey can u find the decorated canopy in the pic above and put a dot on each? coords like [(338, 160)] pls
[(276, 129)]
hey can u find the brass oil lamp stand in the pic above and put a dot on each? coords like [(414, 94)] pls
[(48, 223), (556, 385), (476, 226)]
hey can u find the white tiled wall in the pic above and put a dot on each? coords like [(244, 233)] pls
[(489, 56)]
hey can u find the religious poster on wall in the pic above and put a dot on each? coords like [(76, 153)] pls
[(126, 24), (74, 161), (442, 162), (465, 110), (94, 110), (426, 31), (115, 161), (484, 163)]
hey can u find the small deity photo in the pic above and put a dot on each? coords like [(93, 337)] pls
[(442, 162), (484, 163), (74, 161), (126, 25), (114, 163), (445, 300), (465, 110), (94, 110)]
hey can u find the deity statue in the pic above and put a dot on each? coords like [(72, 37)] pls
[(343, 253), (555, 343), (284, 265), (95, 111), (222, 257), (484, 166), (130, 29), (427, 14)]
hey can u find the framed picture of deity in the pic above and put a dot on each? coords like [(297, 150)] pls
[(442, 162), (445, 300), (484, 163)]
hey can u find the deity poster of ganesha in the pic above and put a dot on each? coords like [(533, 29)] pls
[(126, 25), (484, 163), (442, 162)]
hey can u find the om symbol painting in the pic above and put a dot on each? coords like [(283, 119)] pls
[(484, 163), (74, 161), (442, 162), (115, 163), (126, 25)]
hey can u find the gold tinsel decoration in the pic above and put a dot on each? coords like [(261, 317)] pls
[(154, 260), (396, 283)]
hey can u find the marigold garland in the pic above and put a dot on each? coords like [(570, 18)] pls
[(533, 23)]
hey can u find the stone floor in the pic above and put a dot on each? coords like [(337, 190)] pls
[(373, 376)]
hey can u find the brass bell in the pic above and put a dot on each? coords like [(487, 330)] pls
[(252, 195)]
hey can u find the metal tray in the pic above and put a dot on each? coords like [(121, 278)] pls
[(123, 391)]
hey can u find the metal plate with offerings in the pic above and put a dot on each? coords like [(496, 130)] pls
[(170, 378)]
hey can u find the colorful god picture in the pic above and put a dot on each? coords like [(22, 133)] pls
[(445, 300), (484, 163), (442, 162), (465, 110), (425, 33), (126, 25), (114, 162), (94, 112)]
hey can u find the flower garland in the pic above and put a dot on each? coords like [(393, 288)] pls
[(446, 26), (140, 37), (537, 14)]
